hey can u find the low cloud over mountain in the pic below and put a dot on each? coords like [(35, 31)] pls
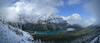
[(77, 19)]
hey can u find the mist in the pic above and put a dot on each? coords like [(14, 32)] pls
[(93, 8), (29, 10)]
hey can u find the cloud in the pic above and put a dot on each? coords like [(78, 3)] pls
[(90, 7), (88, 22), (75, 18), (93, 8), (5, 3), (73, 2), (31, 10)]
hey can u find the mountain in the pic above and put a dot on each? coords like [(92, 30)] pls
[(9, 34), (45, 23), (49, 23), (41, 19)]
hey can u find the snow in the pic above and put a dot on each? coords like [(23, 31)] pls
[(9, 34), (70, 29)]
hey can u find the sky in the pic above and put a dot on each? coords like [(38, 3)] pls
[(67, 8), (71, 7), (74, 11)]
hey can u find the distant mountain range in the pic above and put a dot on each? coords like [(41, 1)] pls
[(50, 22)]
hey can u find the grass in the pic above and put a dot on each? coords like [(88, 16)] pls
[(62, 35)]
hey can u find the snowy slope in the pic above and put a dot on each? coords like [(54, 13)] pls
[(9, 34)]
